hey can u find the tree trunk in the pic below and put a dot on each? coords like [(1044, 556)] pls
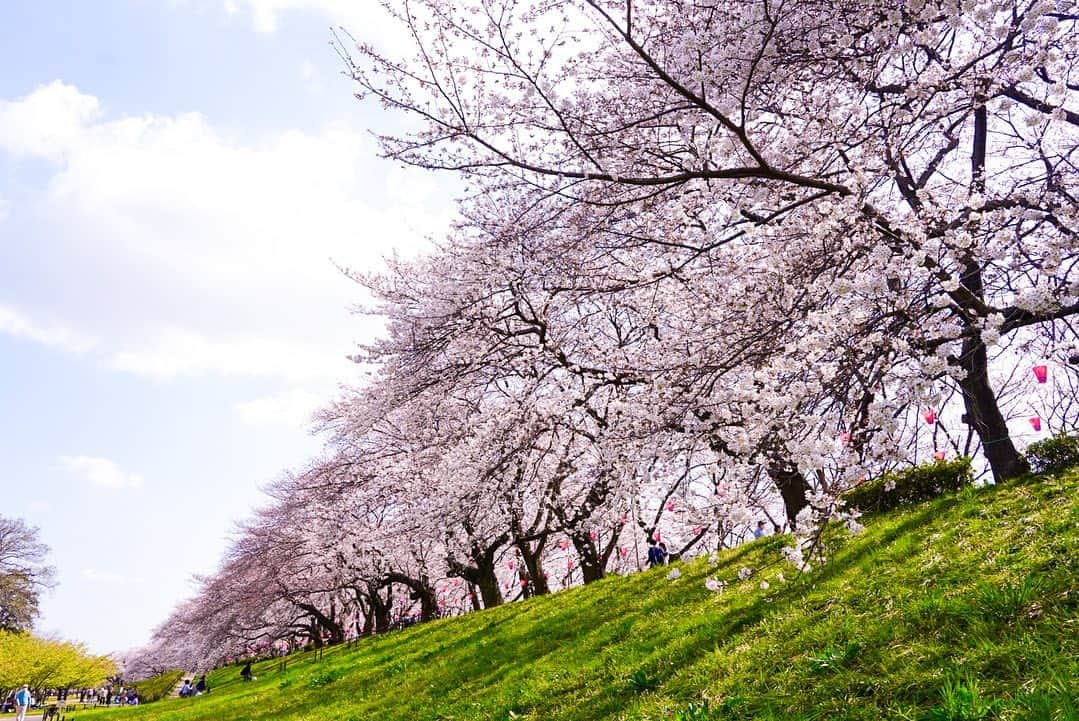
[(792, 487), (533, 562), (593, 563), (984, 416), (487, 582)]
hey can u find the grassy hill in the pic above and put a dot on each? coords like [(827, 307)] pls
[(962, 608)]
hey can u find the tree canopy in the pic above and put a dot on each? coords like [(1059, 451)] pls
[(23, 574), (716, 263)]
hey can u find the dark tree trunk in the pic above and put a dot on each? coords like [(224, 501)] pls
[(792, 487), (593, 559), (533, 561), (420, 589), (984, 416), (979, 400), (487, 582), (481, 575)]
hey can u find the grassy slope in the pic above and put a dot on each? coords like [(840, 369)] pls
[(159, 686), (977, 590)]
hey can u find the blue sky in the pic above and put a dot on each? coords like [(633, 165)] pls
[(177, 180)]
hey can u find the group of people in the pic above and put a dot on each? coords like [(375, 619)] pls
[(23, 699), (193, 689), (110, 695)]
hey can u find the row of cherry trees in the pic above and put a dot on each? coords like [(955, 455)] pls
[(715, 263)]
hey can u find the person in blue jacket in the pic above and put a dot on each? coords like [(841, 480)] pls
[(23, 699), (657, 555)]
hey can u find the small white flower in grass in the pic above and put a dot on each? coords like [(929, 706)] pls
[(744, 573), (714, 584), (854, 527), (674, 575), (713, 558), (889, 486), (780, 578), (765, 586)]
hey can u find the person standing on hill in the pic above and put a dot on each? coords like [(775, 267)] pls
[(22, 702), (657, 555)]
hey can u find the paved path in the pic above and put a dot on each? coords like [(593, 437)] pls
[(179, 684)]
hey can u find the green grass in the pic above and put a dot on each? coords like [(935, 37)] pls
[(159, 686), (961, 609)]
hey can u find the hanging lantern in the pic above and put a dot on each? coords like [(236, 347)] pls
[(930, 416), (670, 506), (696, 530), (623, 551), (569, 564), (524, 583), (1041, 373), (593, 535), (657, 536), (563, 545), (939, 456), (624, 519), (510, 564), (844, 438), (1036, 423)]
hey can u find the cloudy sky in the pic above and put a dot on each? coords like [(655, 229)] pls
[(179, 182)]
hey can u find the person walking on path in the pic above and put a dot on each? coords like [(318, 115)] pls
[(22, 702)]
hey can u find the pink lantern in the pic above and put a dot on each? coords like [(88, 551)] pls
[(1041, 373), (593, 535), (563, 545), (930, 416), (1036, 423), (670, 506), (624, 519), (844, 438), (623, 551), (939, 455), (510, 564), (657, 536), (523, 583), (569, 564), (506, 586), (696, 530)]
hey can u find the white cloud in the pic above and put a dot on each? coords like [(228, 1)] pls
[(38, 506), (366, 20), (186, 250), (95, 576), (16, 324), (46, 122), (291, 408), (100, 472), (174, 352)]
